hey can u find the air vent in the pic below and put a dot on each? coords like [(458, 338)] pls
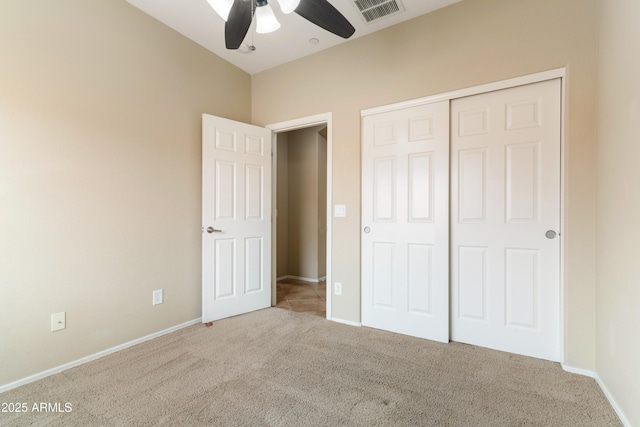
[(373, 10)]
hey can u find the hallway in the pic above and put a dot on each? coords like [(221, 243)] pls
[(300, 296)]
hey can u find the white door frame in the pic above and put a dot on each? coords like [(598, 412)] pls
[(276, 128), (506, 84)]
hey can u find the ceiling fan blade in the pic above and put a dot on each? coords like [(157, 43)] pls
[(238, 23), (324, 15)]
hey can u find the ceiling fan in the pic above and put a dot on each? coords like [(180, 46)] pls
[(238, 15)]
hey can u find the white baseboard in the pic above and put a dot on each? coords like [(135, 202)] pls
[(578, 371), (303, 279), (625, 421), (95, 356), (346, 322), (603, 387)]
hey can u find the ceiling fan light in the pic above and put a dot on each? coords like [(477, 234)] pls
[(222, 7), (266, 21), (288, 6)]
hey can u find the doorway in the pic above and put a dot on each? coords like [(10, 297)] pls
[(302, 264), (301, 206)]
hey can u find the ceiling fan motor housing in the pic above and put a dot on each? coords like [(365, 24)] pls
[(319, 12)]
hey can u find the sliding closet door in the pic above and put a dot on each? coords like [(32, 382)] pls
[(405, 213), (505, 220)]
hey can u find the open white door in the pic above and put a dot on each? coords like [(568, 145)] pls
[(405, 220), (236, 218)]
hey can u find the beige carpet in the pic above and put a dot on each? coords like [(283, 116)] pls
[(281, 368)]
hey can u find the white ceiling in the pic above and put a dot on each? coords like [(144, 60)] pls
[(198, 21)]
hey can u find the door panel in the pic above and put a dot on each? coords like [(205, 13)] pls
[(522, 179), (522, 284), (236, 212), (472, 197), (405, 210), (472, 282), (225, 191), (420, 187), (225, 256), (419, 278), (384, 189), (505, 184)]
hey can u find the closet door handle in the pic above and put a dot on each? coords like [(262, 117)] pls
[(213, 230)]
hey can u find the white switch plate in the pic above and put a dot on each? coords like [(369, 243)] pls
[(157, 297), (340, 211), (58, 321), (337, 288)]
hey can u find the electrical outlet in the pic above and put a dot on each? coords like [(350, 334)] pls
[(58, 321), (337, 288), (157, 297)]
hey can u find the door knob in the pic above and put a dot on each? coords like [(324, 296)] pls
[(213, 230), (550, 234), (367, 230)]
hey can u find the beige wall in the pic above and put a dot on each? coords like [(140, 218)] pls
[(470, 43), (100, 185), (618, 280)]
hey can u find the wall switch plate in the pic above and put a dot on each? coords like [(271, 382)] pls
[(337, 288), (157, 297), (58, 321), (340, 211)]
